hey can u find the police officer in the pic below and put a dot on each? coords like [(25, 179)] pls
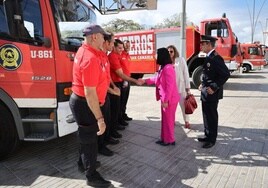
[(215, 74)]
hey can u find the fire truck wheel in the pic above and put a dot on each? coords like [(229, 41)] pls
[(246, 68), (197, 76), (8, 133)]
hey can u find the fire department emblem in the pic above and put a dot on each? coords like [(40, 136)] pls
[(10, 57)]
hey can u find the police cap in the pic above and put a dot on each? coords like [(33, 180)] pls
[(208, 38)]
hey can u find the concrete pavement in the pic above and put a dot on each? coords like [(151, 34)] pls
[(239, 158)]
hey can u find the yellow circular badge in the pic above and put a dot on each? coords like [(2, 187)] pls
[(10, 57)]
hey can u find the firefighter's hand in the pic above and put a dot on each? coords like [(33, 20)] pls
[(140, 81), (116, 91), (209, 90), (102, 127)]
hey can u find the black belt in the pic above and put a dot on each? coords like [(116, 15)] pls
[(83, 98), (79, 97)]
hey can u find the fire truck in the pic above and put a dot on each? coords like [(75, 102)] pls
[(253, 56), (145, 43), (38, 41)]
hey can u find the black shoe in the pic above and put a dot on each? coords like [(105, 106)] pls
[(96, 180), (208, 145), (160, 142), (82, 169), (126, 118), (105, 151), (112, 141), (120, 128), (202, 139), (115, 134), (123, 122)]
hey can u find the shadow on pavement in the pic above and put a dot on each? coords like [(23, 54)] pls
[(138, 161)]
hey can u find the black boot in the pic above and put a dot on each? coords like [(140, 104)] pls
[(95, 180)]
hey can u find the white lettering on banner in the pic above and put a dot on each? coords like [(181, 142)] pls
[(140, 44), (42, 54)]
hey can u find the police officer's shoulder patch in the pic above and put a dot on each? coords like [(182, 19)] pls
[(10, 57)]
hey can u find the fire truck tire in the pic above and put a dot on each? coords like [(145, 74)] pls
[(8, 134), (246, 68), (197, 76)]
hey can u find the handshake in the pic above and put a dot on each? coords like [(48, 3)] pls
[(139, 81)]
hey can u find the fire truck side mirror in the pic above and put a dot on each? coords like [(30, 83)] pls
[(46, 42)]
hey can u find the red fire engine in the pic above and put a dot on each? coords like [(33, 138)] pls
[(144, 45), (253, 56)]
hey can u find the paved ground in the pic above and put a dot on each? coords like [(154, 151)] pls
[(239, 158)]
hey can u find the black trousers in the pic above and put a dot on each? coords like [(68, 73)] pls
[(210, 118), (87, 132), (115, 107), (107, 118), (124, 98)]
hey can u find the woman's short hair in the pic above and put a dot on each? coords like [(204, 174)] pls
[(163, 57)]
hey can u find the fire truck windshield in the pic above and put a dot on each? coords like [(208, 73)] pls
[(71, 17)]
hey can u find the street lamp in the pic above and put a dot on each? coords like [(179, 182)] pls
[(183, 31), (263, 37), (254, 21)]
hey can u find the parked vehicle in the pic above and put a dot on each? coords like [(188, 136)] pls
[(253, 56), (38, 42), (144, 45), (36, 57)]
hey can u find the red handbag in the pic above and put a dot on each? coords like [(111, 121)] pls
[(190, 104)]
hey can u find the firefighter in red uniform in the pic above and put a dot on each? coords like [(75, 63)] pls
[(90, 84), (106, 138), (118, 76), (126, 85)]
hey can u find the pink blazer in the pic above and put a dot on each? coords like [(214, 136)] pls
[(166, 87)]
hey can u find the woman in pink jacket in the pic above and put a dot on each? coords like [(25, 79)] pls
[(167, 93)]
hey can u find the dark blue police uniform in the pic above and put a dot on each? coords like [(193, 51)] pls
[(215, 74)]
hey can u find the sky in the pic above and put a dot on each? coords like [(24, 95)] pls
[(239, 12)]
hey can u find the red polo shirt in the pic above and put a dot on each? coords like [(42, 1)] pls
[(125, 63), (105, 61), (90, 71), (114, 59)]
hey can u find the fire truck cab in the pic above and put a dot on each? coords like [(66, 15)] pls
[(253, 56), (38, 40)]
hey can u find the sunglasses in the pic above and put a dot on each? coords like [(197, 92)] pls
[(170, 52)]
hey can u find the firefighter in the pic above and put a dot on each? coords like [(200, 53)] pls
[(106, 138), (118, 76), (89, 86), (215, 74), (126, 85)]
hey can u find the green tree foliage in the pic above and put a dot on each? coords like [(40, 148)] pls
[(173, 21), (121, 25)]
